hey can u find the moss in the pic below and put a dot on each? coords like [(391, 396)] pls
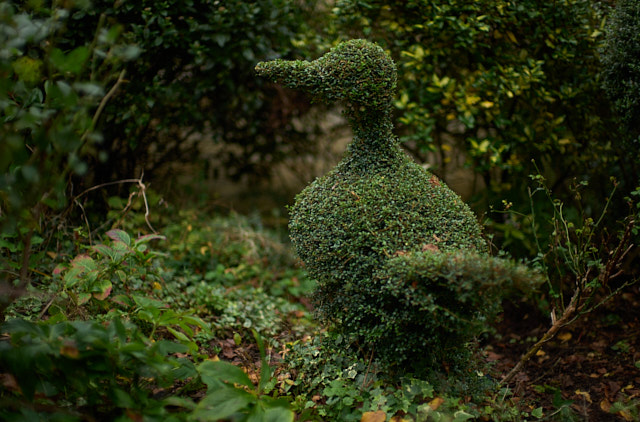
[(351, 226)]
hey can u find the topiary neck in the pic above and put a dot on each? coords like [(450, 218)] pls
[(373, 141)]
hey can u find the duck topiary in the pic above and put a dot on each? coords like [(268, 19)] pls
[(379, 233)]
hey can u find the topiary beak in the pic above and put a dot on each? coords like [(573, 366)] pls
[(356, 71), (296, 74)]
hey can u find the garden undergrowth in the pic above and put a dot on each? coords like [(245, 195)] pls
[(208, 320)]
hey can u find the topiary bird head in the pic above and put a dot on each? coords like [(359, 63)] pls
[(357, 72)]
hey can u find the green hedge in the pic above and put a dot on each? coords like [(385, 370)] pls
[(621, 62)]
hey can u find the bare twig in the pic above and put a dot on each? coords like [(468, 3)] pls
[(364, 380), (551, 332), (86, 220), (576, 306), (102, 185), (103, 103), (142, 192)]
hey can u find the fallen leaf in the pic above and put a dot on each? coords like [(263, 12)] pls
[(605, 405), (564, 336), (378, 416), (9, 382), (540, 353), (584, 394), (134, 416), (70, 350), (625, 415), (435, 403)]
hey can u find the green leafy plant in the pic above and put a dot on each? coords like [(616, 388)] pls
[(496, 81), (172, 111), (51, 100), (128, 266), (330, 382), (123, 263), (232, 395), (622, 67), (158, 315), (76, 370), (628, 410)]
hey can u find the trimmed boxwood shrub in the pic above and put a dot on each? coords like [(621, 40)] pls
[(352, 225)]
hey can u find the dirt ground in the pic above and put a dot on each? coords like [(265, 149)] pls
[(588, 366)]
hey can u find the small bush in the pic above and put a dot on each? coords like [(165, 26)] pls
[(428, 306)]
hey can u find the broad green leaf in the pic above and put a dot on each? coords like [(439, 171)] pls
[(461, 416), (123, 399), (277, 410), (121, 235), (119, 329), (83, 298), (265, 369), (222, 403), (213, 372), (104, 250), (72, 62), (82, 265), (72, 277), (177, 334), (147, 238), (193, 320), (148, 303), (166, 347), (537, 412), (11, 246), (102, 289), (84, 262)]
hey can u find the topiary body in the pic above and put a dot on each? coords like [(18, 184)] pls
[(375, 207)]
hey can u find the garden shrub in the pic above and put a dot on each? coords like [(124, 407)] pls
[(117, 88), (192, 85), (621, 62), (490, 86), (152, 319), (83, 370), (51, 99), (520, 78), (377, 205)]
